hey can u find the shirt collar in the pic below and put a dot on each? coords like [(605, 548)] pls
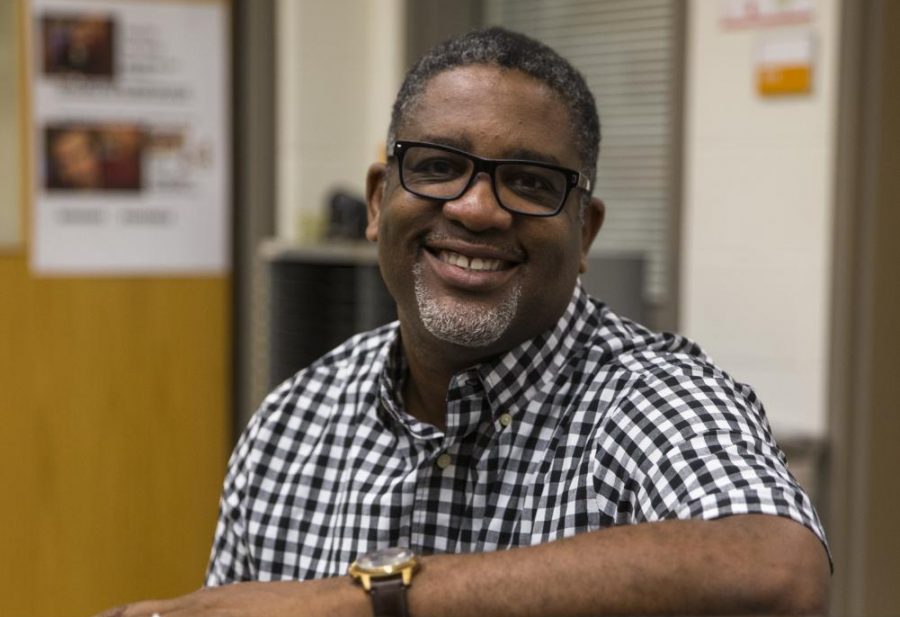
[(506, 379), (390, 387), (509, 377)]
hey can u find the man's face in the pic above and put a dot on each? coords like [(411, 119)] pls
[(77, 163), (467, 272)]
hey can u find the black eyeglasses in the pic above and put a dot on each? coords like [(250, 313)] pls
[(532, 188)]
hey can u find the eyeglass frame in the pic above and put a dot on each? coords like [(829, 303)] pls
[(574, 178)]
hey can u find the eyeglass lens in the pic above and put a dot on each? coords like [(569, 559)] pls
[(439, 174)]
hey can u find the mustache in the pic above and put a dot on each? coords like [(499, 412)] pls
[(505, 246)]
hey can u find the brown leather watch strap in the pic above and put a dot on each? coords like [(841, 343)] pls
[(388, 597)]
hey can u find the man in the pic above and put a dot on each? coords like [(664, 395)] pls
[(74, 159), (623, 471)]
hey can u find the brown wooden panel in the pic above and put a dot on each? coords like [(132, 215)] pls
[(864, 389), (115, 429), (882, 567)]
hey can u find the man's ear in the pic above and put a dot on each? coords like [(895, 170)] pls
[(594, 213), (375, 181)]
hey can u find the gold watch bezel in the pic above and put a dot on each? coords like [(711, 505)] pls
[(404, 569)]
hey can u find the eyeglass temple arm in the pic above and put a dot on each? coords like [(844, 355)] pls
[(583, 182)]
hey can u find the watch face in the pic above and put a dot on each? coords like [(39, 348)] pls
[(385, 557)]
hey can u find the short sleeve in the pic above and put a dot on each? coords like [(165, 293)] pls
[(700, 447)]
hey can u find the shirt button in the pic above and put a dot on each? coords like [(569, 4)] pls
[(505, 420), (443, 461)]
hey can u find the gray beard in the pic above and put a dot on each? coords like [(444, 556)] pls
[(461, 323)]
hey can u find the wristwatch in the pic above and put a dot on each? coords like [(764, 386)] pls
[(385, 574)]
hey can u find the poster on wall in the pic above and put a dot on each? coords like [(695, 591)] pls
[(130, 137), (784, 64)]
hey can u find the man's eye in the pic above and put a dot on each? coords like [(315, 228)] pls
[(437, 167), (528, 182)]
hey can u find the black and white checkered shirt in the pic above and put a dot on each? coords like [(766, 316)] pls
[(596, 423)]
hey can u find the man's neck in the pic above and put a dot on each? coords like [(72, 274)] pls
[(431, 368), (425, 397)]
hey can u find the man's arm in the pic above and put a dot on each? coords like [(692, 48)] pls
[(737, 565), (742, 564)]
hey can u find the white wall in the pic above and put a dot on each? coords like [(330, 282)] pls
[(340, 65), (757, 218), (10, 156)]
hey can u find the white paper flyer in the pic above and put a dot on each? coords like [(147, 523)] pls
[(131, 137)]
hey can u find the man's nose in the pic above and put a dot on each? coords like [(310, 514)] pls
[(477, 208)]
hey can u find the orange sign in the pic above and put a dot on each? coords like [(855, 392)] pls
[(785, 65), (786, 79)]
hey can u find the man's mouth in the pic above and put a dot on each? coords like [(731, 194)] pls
[(477, 264)]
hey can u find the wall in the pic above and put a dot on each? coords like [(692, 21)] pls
[(340, 65), (757, 215), (115, 421), (9, 145)]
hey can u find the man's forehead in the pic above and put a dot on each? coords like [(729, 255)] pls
[(459, 103), (480, 77)]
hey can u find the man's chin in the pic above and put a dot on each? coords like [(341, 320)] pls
[(465, 326), (464, 322)]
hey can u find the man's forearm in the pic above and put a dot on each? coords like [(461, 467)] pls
[(738, 565), (742, 564)]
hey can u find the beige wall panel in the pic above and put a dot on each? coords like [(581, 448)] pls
[(115, 430)]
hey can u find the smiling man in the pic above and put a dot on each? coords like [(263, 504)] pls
[(481, 251), (510, 446)]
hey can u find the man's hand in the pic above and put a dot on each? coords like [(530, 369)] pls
[(334, 597)]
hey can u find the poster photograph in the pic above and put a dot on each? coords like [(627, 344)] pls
[(130, 133)]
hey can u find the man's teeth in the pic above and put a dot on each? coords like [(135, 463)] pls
[(476, 263)]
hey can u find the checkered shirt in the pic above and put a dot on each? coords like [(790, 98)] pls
[(597, 422)]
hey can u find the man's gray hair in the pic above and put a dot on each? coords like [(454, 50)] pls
[(512, 50)]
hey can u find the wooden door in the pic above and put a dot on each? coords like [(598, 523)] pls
[(115, 428)]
